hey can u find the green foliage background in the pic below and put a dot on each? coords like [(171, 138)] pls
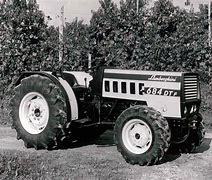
[(162, 37)]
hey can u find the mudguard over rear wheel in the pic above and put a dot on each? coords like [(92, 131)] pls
[(39, 112), (142, 135)]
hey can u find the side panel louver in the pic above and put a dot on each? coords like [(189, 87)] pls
[(190, 87)]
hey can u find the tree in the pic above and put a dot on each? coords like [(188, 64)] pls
[(131, 28), (102, 32), (116, 34), (24, 36), (176, 38), (76, 44)]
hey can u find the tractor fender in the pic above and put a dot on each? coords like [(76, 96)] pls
[(71, 102)]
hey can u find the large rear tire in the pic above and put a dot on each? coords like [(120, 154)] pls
[(142, 135), (39, 112)]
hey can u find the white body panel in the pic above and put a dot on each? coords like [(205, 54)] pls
[(160, 90), (139, 72)]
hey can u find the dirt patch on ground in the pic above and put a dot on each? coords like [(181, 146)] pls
[(96, 160)]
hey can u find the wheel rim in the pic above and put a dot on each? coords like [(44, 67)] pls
[(34, 113), (137, 136)]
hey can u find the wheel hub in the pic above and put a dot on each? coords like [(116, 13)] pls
[(34, 113), (37, 112), (137, 136)]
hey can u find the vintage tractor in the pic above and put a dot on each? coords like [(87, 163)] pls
[(148, 110)]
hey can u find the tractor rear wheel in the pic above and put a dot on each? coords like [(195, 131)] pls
[(39, 112), (142, 135)]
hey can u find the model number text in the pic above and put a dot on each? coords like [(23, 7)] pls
[(160, 91)]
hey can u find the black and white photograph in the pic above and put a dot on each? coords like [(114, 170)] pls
[(105, 89)]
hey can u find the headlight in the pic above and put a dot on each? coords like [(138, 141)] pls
[(193, 108)]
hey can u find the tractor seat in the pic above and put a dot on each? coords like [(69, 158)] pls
[(72, 81), (79, 88)]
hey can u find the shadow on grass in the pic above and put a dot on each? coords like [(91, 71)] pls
[(204, 146), (169, 157), (173, 155), (105, 140)]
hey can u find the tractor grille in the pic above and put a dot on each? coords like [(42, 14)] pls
[(190, 87)]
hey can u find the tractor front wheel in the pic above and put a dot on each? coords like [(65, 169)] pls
[(142, 135)]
